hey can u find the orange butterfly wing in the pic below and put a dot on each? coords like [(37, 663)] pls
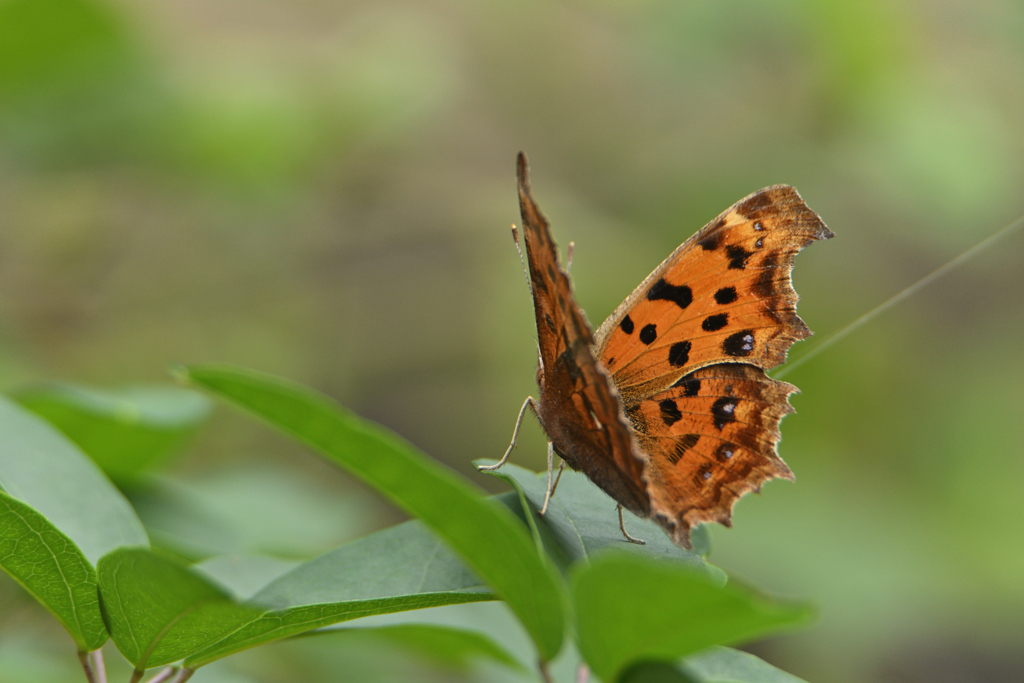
[(724, 295), (579, 406), (687, 421), (709, 440), (687, 351)]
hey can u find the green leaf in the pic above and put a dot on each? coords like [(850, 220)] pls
[(454, 648), (716, 665), (158, 611), (262, 508), (126, 432), (725, 665), (484, 534), (581, 518), (41, 467), (630, 609), (400, 568), (244, 575), (52, 569)]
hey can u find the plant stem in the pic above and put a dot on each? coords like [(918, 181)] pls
[(137, 675), (83, 657), (99, 667), (544, 673), (183, 676), (583, 674), (163, 675)]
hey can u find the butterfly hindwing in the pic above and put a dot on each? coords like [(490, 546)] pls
[(710, 439), (724, 295)]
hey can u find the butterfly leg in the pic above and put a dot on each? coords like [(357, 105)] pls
[(622, 528), (530, 403), (551, 487)]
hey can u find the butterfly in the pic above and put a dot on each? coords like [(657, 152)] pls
[(667, 407)]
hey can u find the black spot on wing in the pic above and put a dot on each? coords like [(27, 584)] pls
[(669, 412), (754, 206), (679, 354), (627, 325), (724, 411), (737, 256), (714, 238), (764, 284), (725, 451), (680, 295), (713, 323), (703, 474), (649, 334), (683, 444), (690, 385), (739, 344), (726, 295)]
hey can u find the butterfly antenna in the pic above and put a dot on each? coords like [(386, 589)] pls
[(568, 256), (526, 271), (897, 298)]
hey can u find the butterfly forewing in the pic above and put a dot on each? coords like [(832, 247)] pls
[(579, 407), (725, 295), (709, 440)]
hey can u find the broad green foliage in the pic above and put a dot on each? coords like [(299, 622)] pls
[(244, 575), (630, 609), (400, 568), (42, 468), (637, 609), (723, 665), (485, 535), (715, 665), (450, 647), (52, 569), (126, 432), (581, 519), (158, 611)]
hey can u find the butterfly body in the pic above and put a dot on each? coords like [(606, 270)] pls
[(667, 407)]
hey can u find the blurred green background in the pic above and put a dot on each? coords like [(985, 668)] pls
[(324, 191)]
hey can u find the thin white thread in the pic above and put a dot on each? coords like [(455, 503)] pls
[(900, 296)]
